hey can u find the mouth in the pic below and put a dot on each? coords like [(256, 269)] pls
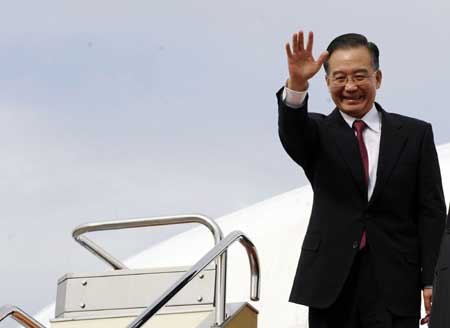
[(352, 99)]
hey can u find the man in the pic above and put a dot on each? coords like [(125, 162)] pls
[(440, 315), (378, 212)]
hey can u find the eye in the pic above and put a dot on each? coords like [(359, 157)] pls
[(360, 77), (340, 79)]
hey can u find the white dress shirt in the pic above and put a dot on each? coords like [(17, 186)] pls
[(371, 135)]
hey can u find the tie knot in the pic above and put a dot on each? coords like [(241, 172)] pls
[(359, 125)]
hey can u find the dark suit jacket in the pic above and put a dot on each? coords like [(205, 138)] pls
[(440, 314), (404, 218)]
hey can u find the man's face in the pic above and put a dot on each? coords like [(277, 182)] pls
[(352, 80)]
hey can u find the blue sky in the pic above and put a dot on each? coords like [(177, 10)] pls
[(113, 109)]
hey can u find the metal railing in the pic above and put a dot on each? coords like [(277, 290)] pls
[(221, 261), (137, 223), (218, 253), (215, 252), (20, 316)]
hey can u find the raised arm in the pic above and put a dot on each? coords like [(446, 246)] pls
[(297, 130)]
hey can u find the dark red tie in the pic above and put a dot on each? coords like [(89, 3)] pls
[(359, 127)]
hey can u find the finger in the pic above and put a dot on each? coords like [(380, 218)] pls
[(301, 42), (427, 304), (288, 50), (309, 45), (323, 56), (295, 42)]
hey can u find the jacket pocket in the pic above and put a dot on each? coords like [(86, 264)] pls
[(311, 242)]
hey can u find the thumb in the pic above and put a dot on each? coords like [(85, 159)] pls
[(323, 56), (427, 303)]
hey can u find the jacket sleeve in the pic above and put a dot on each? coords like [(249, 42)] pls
[(298, 133), (431, 206)]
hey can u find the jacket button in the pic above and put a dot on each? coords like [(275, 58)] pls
[(355, 244)]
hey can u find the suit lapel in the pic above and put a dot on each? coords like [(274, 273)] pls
[(391, 145), (346, 142)]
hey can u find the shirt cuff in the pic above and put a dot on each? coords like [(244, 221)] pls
[(294, 99)]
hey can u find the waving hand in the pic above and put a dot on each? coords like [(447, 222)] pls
[(301, 63)]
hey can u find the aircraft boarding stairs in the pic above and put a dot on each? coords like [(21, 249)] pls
[(179, 297)]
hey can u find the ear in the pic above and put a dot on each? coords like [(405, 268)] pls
[(378, 78), (327, 80)]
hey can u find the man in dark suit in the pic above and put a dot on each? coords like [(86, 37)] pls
[(440, 314), (378, 212)]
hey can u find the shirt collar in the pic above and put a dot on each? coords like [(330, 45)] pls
[(372, 119)]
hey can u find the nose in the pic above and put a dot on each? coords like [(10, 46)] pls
[(350, 85)]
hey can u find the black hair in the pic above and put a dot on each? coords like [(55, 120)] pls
[(353, 40)]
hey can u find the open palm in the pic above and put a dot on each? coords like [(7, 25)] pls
[(301, 63)]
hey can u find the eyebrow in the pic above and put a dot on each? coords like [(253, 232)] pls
[(361, 70)]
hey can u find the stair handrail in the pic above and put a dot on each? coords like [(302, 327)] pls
[(137, 223), (221, 261), (20, 316), (214, 253)]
